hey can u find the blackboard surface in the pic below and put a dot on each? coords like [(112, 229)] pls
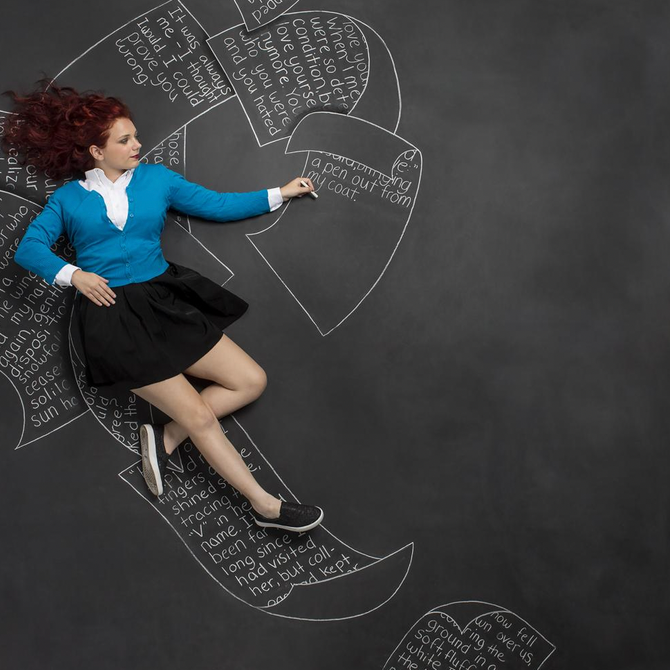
[(466, 338)]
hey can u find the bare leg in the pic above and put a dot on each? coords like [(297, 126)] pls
[(221, 401), (238, 380), (177, 398)]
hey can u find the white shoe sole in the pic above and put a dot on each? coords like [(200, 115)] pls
[(295, 529), (150, 461)]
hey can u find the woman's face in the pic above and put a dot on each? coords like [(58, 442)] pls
[(122, 150)]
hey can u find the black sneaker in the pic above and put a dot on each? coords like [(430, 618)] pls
[(292, 516), (154, 457)]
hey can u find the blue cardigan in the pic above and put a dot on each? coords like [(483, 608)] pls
[(133, 254)]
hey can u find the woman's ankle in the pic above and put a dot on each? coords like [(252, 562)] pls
[(170, 440), (267, 506)]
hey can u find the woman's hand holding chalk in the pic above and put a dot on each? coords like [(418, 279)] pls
[(314, 194), (292, 189)]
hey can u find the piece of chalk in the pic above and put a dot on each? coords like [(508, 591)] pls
[(314, 194)]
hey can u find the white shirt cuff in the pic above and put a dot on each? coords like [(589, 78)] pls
[(64, 276), (274, 198)]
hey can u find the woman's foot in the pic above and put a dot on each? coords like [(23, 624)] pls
[(292, 516), (154, 457)]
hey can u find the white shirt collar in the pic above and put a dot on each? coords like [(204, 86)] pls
[(98, 176)]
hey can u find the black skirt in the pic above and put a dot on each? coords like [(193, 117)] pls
[(156, 328)]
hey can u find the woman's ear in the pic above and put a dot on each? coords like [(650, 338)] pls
[(95, 152)]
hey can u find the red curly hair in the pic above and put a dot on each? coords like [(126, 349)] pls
[(53, 127)]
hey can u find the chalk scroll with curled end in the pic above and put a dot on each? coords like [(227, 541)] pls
[(166, 63), (468, 635)]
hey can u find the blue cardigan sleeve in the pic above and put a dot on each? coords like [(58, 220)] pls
[(34, 251), (190, 198)]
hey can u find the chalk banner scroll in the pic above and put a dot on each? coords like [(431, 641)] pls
[(34, 318), (161, 60), (470, 635)]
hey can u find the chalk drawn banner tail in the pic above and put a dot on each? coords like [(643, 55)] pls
[(257, 13), (362, 591), (266, 567), (161, 62), (331, 252), (34, 320), (471, 634)]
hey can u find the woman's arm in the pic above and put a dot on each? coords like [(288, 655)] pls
[(34, 251), (190, 198)]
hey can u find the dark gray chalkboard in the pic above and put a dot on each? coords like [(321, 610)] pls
[(466, 339)]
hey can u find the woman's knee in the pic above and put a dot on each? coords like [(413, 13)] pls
[(200, 418), (255, 382), (177, 398)]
